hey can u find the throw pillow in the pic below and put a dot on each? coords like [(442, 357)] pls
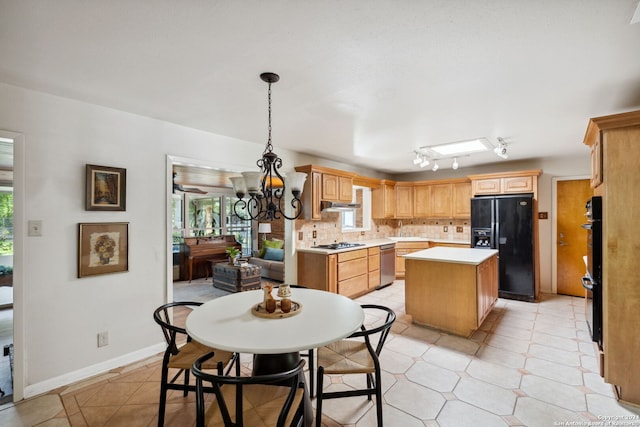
[(273, 254), (275, 243)]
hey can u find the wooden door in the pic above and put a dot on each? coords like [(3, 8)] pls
[(572, 238)]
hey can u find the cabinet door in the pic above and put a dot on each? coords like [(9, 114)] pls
[(345, 188), (404, 201), (316, 189), (596, 163), (383, 202), (330, 187), (441, 201), (486, 186), (421, 201), (517, 184), (462, 200)]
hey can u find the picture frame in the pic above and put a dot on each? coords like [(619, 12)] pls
[(105, 188), (103, 248)]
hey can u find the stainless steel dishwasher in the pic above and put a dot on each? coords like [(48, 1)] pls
[(387, 264)]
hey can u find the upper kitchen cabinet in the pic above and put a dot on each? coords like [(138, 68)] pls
[(441, 201), (324, 184), (383, 200), (505, 183), (616, 176), (461, 199), (404, 200), (421, 200), (337, 188)]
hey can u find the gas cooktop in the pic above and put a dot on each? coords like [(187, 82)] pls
[(339, 245)]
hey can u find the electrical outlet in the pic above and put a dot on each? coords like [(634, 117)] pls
[(34, 228), (459, 230), (445, 229), (300, 235), (315, 234), (103, 339)]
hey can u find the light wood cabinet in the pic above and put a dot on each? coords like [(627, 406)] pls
[(453, 297), (383, 201), (350, 273), (596, 162), (505, 183), (421, 201), (404, 248), (374, 266), (337, 188), (617, 137), (324, 184), (404, 201), (461, 200), (441, 201)]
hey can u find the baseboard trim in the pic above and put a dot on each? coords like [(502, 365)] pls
[(90, 371)]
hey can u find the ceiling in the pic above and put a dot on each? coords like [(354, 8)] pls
[(362, 82)]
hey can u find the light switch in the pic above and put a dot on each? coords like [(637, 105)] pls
[(35, 228)]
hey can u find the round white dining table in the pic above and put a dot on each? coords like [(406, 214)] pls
[(227, 322)]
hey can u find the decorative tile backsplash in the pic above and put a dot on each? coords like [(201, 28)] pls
[(328, 230)]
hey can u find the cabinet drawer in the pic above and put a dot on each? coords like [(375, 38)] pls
[(374, 262), (374, 279), (353, 286), (518, 184), (346, 256), (374, 250), (354, 267)]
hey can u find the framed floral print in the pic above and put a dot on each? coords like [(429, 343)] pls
[(105, 188), (103, 248)]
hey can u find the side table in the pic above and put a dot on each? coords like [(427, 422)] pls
[(235, 278)]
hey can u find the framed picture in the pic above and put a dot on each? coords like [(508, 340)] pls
[(106, 188), (103, 248)]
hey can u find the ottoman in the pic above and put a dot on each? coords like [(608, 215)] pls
[(235, 278)]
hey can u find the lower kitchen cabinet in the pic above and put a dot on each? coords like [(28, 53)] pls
[(403, 248), (350, 273)]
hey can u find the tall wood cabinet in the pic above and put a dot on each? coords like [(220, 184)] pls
[(615, 144)]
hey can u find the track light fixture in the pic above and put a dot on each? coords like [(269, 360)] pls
[(424, 162), (418, 159), (435, 166), (501, 149), (455, 164)]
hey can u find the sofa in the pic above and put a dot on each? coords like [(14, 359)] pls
[(270, 259)]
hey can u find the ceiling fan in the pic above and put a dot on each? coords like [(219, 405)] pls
[(179, 187)]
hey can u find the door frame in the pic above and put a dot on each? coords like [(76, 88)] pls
[(554, 225)]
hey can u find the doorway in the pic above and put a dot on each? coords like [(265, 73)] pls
[(571, 239), (6, 268)]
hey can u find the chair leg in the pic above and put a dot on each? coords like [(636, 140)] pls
[(378, 386), (311, 374), (186, 383), (163, 396), (319, 397)]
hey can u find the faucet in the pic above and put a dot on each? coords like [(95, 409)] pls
[(400, 225)]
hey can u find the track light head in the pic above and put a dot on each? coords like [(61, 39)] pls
[(501, 149), (418, 159), (455, 164), (435, 166), (424, 162)]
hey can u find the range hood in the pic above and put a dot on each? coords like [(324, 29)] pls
[(337, 206)]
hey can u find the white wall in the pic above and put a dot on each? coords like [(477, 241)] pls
[(62, 314)]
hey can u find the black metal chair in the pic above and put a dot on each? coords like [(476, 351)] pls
[(252, 401), (181, 352), (356, 354)]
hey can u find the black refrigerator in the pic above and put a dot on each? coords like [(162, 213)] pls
[(505, 223)]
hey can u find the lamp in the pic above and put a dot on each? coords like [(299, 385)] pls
[(501, 149), (264, 228), (267, 187)]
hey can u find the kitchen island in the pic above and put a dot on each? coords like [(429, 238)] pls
[(451, 289)]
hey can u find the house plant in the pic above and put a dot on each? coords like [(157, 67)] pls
[(233, 254)]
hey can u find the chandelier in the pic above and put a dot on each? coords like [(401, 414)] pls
[(267, 188)]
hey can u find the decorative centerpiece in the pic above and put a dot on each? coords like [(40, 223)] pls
[(273, 308)]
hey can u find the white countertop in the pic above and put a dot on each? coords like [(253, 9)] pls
[(380, 242), (453, 255)]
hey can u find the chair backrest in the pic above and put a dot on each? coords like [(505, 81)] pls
[(290, 378), (163, 317), (388, 315)]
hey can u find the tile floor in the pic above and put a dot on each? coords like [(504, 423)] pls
[(530, 364)]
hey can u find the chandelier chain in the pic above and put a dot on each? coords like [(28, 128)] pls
[(269, 147)]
